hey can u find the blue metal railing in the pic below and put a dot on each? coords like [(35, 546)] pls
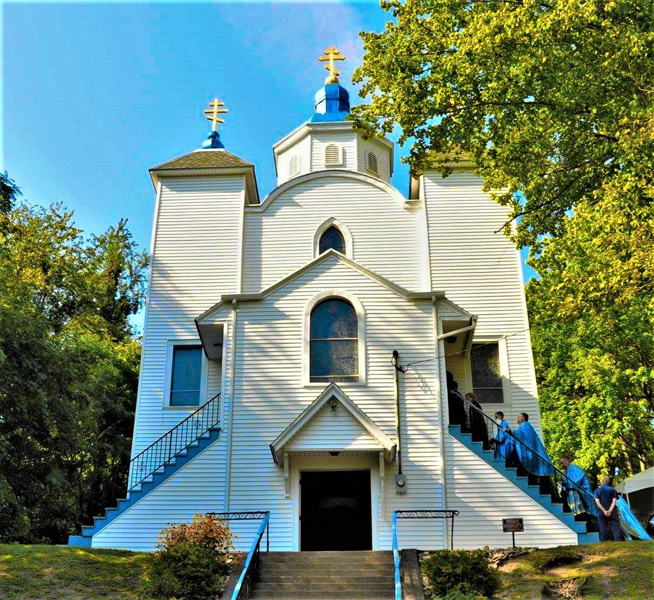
[(251, 567), (396, 559), (415, 514), (558, 480)]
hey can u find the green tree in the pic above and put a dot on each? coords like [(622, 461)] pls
[(8, 193), (592, 318), (553, 102), (68, 370)]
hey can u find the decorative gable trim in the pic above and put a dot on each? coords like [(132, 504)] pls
[(400, 291), (332, 391)]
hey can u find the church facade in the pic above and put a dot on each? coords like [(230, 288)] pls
[(273, 330)]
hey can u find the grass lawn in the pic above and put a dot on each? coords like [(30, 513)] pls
[(607, 571), (62, 572)]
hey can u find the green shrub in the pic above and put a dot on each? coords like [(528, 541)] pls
[(185, 571), (449, 571), (457, 595), (192, 563)]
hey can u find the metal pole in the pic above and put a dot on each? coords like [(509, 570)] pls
[(513, 536), (398, 428)]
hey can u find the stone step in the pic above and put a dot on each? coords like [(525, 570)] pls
[(327, 571), (325, 558), (332, 595), (314, 578), (325, 586)]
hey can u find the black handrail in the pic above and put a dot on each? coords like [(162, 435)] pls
[(565, 483), (170, 444)]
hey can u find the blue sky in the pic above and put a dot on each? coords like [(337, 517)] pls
[(95, 94)]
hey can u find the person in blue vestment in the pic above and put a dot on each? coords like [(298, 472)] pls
[(606, 498), (529, 449), (578, 502), (501, 441)]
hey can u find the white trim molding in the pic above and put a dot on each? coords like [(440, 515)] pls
[(345, 232), (306, 334), (332, 391), (170, 350)]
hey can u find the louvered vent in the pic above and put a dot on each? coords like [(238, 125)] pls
[(372, 163), (332, 155), (294, 166)]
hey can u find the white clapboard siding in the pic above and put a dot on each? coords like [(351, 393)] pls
[(195, 260), (333, 430), (280, 239), (480, 270), (483, 498), (199, 487), (347, 142), (383, 158), (302, 153), (269, 395)]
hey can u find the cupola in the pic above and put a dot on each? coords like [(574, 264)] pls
[(327, 141)]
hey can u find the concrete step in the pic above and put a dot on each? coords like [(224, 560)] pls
[(319, 586), (327, 558), (328, 571), (331, 595), (357, 579)]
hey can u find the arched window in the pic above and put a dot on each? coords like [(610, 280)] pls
[(334, 341), (372, 163), (332, 238)]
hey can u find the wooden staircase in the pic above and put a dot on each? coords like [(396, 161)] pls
[(364, 575)]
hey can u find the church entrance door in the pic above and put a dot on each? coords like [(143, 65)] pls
[(335, 510)]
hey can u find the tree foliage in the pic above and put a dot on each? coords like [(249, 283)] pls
[(592, 319), (8, 193), (552, 100), (553, 103), (68, 370)]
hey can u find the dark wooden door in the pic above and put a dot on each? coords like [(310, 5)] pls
[(335, 510)]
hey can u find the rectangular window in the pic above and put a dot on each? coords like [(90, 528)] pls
[(186, 376), (486, 373)]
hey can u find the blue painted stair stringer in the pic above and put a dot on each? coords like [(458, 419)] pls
[(521, 482), (181, 459)]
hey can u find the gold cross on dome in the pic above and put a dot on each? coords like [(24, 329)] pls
[(215, 109), (331, 55)]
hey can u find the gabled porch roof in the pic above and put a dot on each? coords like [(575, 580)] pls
[(335, 393)]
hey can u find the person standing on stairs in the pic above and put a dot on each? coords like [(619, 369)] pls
[(455, 403), (529, 454), (501, 441), (576, 500), (607, 518), (477, 422)]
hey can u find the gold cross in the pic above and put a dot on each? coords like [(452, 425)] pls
[(213, 111), (331, 54)]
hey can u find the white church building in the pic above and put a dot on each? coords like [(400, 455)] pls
[(272, 332)]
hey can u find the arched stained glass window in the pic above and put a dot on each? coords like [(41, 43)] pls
[(334, 342), (332, 238)]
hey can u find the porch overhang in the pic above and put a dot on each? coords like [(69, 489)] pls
[(375, 439)]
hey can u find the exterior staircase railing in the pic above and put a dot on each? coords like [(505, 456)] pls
[(251, 567), (415, 514), (161, 452), (555, 485)]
